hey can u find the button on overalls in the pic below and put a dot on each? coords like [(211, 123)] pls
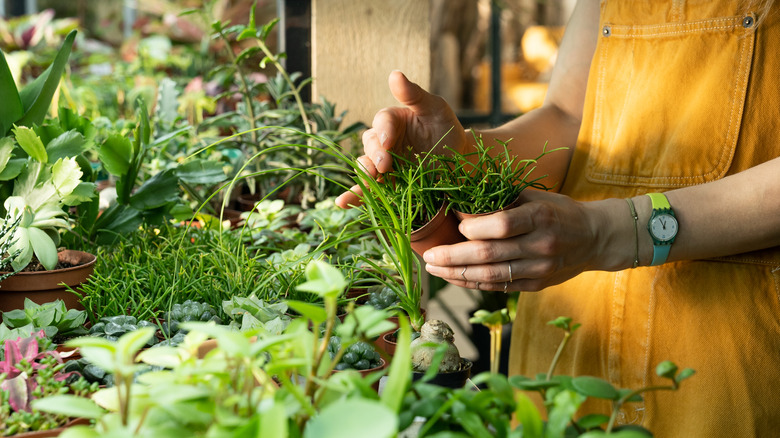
[(679, 93)]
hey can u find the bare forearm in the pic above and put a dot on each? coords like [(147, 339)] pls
[(730, 216)]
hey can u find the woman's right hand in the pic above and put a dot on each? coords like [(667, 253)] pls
[(423, 122)]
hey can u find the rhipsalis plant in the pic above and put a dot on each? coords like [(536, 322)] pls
[(484, 181)]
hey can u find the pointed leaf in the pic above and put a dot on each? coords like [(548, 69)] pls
[(156, 191), (11, 110), (36, 97), (31, 143), (116, 154), (201, 172)]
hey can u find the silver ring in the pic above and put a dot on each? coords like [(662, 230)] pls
[(463, 273), (477, 288), (509, 264), (506, 283)]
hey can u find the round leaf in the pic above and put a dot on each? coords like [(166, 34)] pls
[(595, 387), (351, 419)]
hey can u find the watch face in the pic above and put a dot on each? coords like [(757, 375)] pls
[(664, 227)]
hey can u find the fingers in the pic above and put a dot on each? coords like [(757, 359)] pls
[(350, 198), (412, 96), (377, 141)]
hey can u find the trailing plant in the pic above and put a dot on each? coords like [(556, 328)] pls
[(151, 269), (416, 187), (484, 181)]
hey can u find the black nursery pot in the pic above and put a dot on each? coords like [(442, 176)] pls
[(454, 380)]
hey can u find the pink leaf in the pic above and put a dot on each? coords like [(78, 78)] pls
[(18, 395)]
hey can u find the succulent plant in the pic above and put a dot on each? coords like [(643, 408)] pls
[(113, 327), (358, 356), (185, 312)]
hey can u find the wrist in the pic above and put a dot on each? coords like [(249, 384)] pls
[(615, 236)]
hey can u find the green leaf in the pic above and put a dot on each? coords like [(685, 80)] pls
[(666, 369), (323, 280), (399, 375), (684, 374), (592, 420), (69, 406), (313, 312), (11, 110), (201, 172), (595, 387), (31, 143), (6, 150), (266, 30), (116, 154), (69, 144), (44, 247), (565, 405), (83, 192), (156, 191), (36, 97), (131, 343), (12, 169), (351, 418)]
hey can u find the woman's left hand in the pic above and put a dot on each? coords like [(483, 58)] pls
[(548, 239)]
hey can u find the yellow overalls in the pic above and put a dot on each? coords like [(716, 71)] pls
[(679, 93)]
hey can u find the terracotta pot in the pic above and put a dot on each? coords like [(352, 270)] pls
[(460, 215), (387, 339), (455, 379), (441, 230), (53, 432), (47, 286)]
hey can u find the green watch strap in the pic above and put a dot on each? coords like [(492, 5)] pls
[(659, 201), (660, 251)]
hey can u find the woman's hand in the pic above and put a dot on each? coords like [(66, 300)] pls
[(548, 239), (421, 123)]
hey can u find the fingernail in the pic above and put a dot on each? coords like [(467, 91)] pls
[(383, 139), (378, 157), (429, 257)]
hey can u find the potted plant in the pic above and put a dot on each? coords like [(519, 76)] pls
[(485, 181), (273, 385), (43, 184), (436, 359), (29, 372)]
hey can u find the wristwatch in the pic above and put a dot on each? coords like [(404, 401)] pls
[(662, 226)]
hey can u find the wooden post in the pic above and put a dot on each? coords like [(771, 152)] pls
[(357, 43)]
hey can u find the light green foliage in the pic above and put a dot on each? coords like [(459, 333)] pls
[(258, 381), (53, 318)]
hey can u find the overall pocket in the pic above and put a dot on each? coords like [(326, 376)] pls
[(672, 117)]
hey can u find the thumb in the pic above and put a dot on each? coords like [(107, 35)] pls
[(412, 95)]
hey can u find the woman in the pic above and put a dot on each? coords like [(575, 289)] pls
[(677, 99)]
